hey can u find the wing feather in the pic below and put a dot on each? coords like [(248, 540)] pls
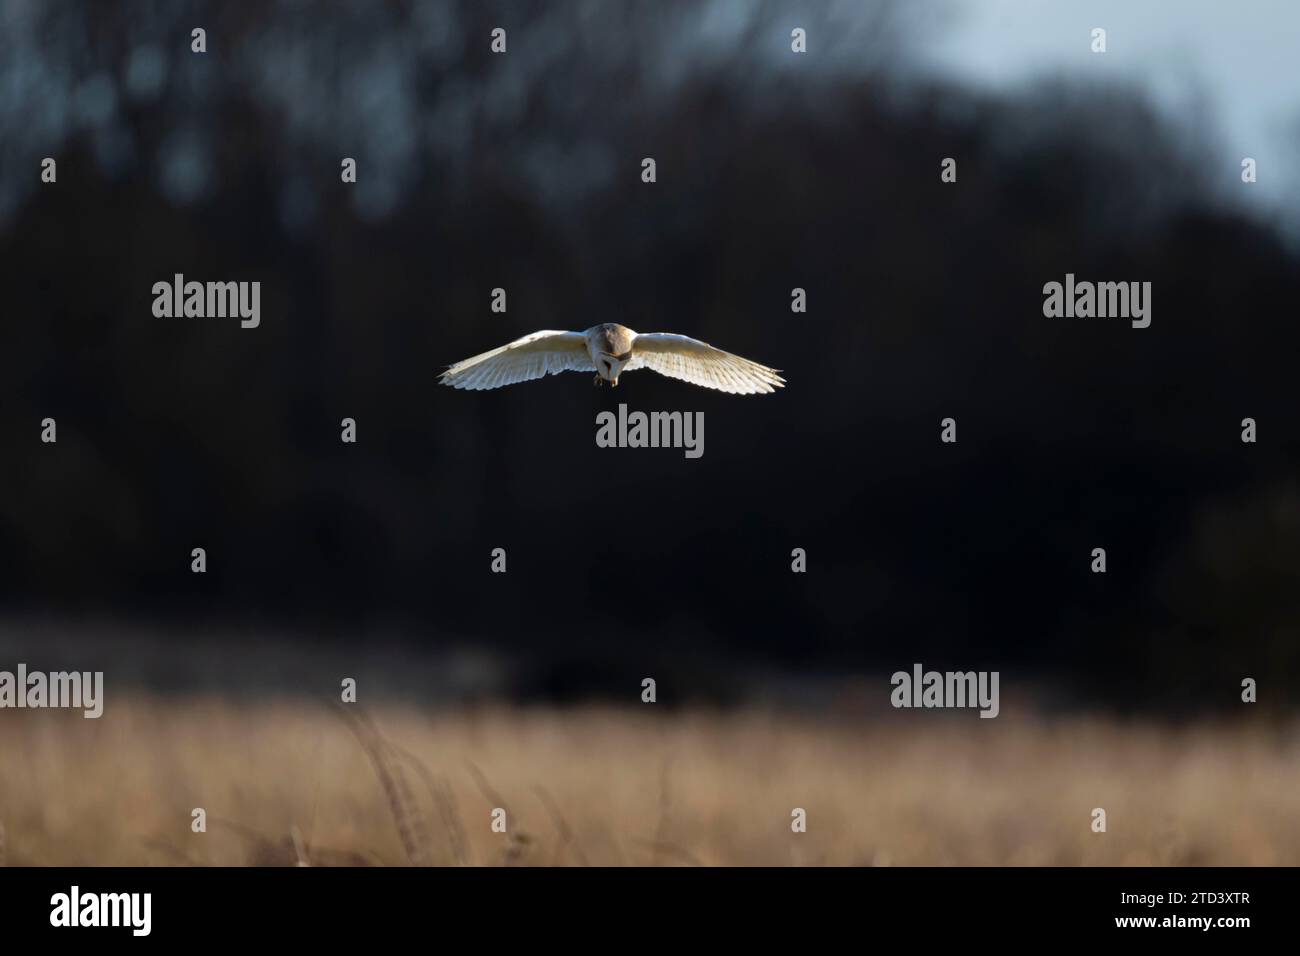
[(534, 356), (688, 359)]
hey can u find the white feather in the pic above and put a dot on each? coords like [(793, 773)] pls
[(534, 356), (688, 359)]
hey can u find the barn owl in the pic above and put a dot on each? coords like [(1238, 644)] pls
[(609, 350)]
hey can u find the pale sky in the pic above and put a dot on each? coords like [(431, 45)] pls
[(1239, 58)]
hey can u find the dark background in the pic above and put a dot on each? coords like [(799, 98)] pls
[(523, 171)]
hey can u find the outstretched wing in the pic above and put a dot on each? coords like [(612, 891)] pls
[(534, 356), (679, 356)]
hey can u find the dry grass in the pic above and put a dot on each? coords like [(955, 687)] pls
[(288, 783)]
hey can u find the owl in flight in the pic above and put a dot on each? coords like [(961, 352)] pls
[(609, 350)]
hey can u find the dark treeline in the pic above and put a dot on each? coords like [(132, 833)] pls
[(522, 172)]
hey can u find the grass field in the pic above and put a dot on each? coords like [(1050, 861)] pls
[(286, 782)]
